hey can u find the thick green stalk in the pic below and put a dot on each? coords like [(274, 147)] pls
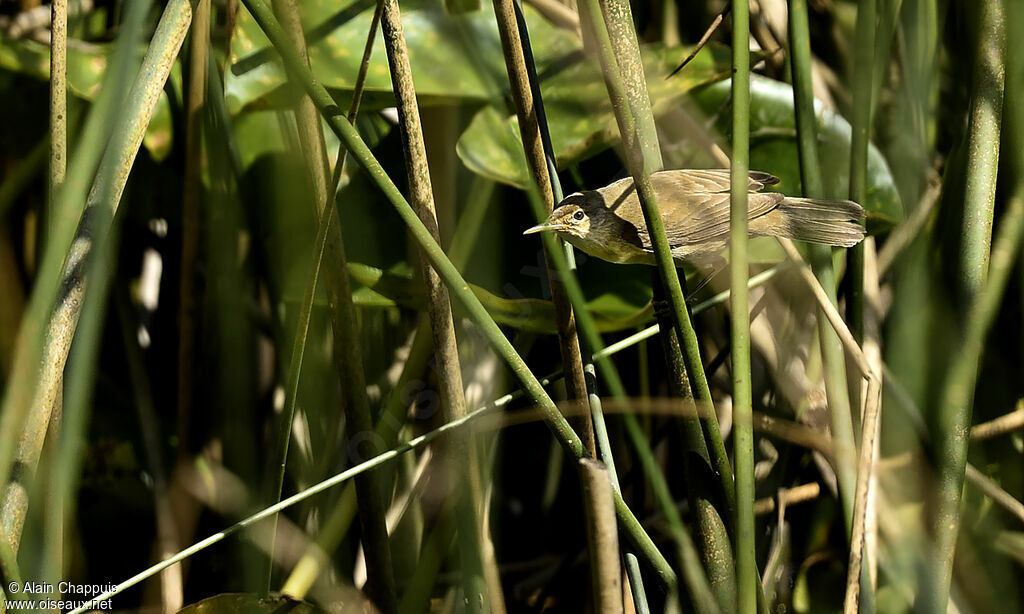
[(80, 381), (456, 284), (821, 260), (711, 529), (980, 296), (642, 159), (956, 401), (989, 73), (742, 401)]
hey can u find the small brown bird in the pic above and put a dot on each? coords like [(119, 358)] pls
[(608, 223)]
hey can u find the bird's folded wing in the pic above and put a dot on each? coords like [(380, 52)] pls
[(704, 218), (710, 180)]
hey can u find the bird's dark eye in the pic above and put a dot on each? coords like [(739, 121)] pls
[(579, 215)]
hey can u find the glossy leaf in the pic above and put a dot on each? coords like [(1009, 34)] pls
[(579, 113), (453, 56)]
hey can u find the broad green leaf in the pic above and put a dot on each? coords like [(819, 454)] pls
[(579, 114), (453, 57), (612, 311)]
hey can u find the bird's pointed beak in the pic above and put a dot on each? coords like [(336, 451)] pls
[(538, 228)]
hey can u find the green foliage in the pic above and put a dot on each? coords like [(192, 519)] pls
[(579, 113), (148, 472)]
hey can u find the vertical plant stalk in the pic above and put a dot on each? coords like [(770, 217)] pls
[(313, 150), (957, 394), (348, 358), (191, 205), (989, 75), (392, 418), (712, 531), (954, 412), (457, 285), (742, 401), (527, 110), (461, 458), (636, 125), (58, 100), (622, 66), (26, 412), (602, 536), (860, 578), (565, 269), (863, 79), (841, 420), (80, 379), (604, 447), (58, 169), (313, 560), (167, 539)]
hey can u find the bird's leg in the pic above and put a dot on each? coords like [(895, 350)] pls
[(663, 307), (717, 265)]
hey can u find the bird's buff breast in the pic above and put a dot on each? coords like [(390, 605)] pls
[(621, 252)]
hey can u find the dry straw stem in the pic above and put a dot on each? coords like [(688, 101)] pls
[(58, 169), (527, 110), (868, 445), (29, 417), (558, 14), (998, 494), (1001, 425), (787, 497), (58, 99), (602, 536)]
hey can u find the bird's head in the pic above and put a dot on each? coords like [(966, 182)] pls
[(570, 218)]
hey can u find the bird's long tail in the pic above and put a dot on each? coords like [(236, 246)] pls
[(831, 222)]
